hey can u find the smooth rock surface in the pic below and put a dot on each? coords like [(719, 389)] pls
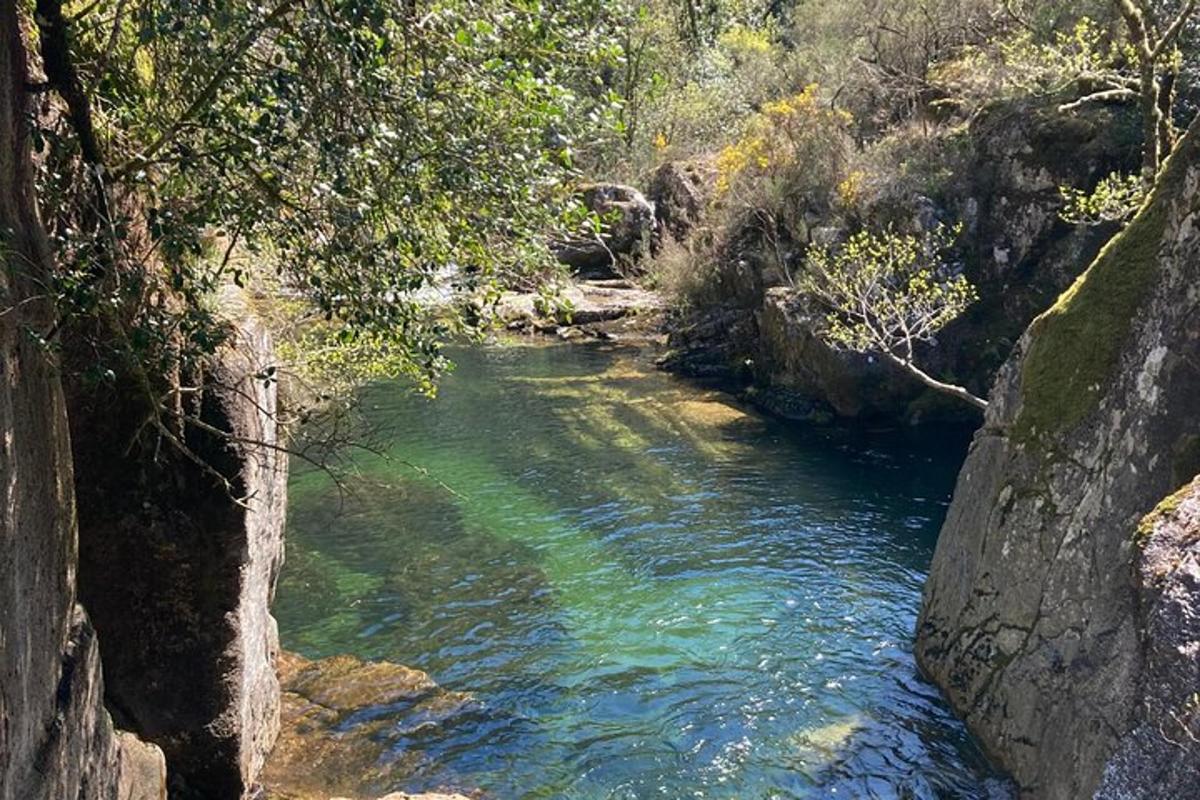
[(612, 308)]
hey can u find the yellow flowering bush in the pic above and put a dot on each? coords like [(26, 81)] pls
[(796, 144)]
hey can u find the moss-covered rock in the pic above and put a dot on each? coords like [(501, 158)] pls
[(1043, 618)]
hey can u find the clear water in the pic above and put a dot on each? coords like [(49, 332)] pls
[(650, 593)]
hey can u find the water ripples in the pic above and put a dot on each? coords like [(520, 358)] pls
[(643, 602)]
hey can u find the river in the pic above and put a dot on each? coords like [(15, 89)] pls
[(648, 591)]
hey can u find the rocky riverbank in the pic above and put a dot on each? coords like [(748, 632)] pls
[(749, 325), (1058, 617), (341, 725), (599, 308)]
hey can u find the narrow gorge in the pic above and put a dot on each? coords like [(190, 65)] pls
[(599, 400)]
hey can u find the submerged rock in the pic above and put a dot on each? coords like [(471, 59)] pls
[(341, 719), (1066, 639)]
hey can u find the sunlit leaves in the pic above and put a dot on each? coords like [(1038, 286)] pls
[(361, 150), (1115, 199), (886, 292)]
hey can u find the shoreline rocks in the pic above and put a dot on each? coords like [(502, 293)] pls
[(587, 309), (340, 724)]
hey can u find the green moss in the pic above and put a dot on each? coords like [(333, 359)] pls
[(1077, 343), (1162, 510)]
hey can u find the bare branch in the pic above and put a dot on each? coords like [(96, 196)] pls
[(1106, 96)]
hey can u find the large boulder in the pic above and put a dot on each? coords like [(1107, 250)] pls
[(628, 229), (801, 363), (178, 568), (680, 192), (1161, 756), (1051, 627)]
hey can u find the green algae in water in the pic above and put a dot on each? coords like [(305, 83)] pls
[(649, 592)]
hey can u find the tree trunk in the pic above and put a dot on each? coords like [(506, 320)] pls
[(1148, 94), (1166, 103)]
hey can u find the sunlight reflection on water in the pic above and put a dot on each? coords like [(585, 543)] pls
[(649, 592)]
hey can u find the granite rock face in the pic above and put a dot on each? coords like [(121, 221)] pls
[(680, 193), (56, 738), (1053, 626), (178, 571), (1161, 756)]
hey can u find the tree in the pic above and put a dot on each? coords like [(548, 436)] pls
[(1158, 62), (1144, 67), (886, 293), (347, 155)]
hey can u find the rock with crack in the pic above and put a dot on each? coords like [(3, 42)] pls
[(1064, 638)]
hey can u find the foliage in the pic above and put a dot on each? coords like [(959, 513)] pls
[(1115, 199), (1140, 60), (885, 293), (679, 87), (790, 159), (363, 150)]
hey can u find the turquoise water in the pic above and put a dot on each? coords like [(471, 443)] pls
[(648, 592)]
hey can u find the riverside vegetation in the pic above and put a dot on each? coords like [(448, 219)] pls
[(225, 225)]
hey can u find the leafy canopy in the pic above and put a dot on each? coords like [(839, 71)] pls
[(351, 154)]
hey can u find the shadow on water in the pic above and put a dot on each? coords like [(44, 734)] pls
[(650, 592)]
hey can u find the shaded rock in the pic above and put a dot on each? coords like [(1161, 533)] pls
[(56, 738), (707, 346), (629, 227), (341, 719), (800, 362), (178, 572), (1053, 632)]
